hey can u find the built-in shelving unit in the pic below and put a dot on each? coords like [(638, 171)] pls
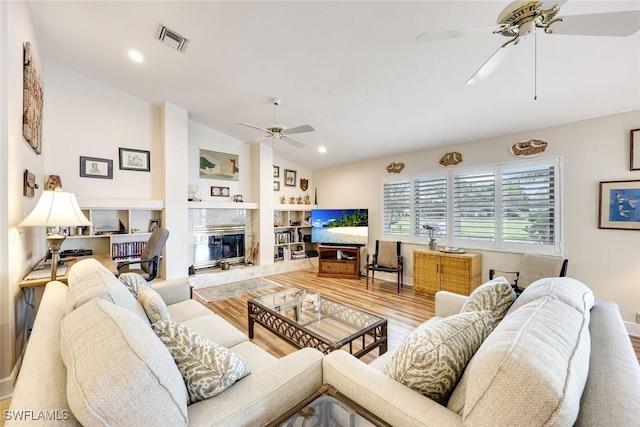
[(120, 227), (292, 232)]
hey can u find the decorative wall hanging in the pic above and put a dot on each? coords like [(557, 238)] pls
[(620, 205), (451, 158), (32, 101), (530, 148), (135, 160), (635, 149), (276, 185), (304, 184), (54, 182), (219, 191), (28, 184), (395, 167), (276, 171), (216, 165), (93, 167), (290, 178)]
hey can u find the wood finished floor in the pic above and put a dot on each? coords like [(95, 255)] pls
[(404, 311)]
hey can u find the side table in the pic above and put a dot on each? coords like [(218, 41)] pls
[(328, 407)]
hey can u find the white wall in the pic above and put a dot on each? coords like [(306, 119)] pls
[(287, 192), (594, 150)]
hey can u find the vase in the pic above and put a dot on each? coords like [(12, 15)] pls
[(433, 246)]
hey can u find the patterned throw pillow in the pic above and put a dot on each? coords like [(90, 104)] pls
[(206, 367), (153, 304), (431, 360), (133, 282), (496, 295)]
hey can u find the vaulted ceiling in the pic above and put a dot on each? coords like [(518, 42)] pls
[(352, 69)]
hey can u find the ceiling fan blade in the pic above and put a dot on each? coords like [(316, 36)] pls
[(614, 24), (254, 141), (294, 141), (490, 65), (298, 129), (254, 126), (454, 34)]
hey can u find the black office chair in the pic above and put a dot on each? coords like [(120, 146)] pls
[(535, 267), (150, 257), (387, 258)]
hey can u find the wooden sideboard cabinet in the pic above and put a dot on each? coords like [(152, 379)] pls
[(438, 271), (339, 261)]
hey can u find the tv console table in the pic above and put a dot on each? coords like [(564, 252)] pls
[(339, 261)]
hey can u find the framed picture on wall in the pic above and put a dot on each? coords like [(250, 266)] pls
[(94, 167), (135, 160), (276, 185), (618, 202), (276, 171), (635, 149), (289, 178)]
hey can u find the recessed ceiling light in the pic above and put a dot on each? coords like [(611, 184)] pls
[(322, 149), (135, 56)]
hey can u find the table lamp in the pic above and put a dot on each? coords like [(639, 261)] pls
[(55, 209)]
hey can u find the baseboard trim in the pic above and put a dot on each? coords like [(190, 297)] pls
[(6, 384), (633, 328)]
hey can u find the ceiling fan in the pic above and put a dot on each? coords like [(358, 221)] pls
[(521, 18), (279, 131)]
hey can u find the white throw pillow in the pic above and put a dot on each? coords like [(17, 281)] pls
[(431, 360), (496, 295), (153, 304), (206, 367)]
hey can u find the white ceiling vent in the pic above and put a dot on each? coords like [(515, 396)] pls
[(173, 39)]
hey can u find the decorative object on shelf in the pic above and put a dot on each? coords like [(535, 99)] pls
[(32, 100), (289, 178), (217, 191), (192, 190), (276, 171), (304, 184), (452, 250), (283, 200), (276, 185), (238, 198), (29, 184), (635, 149), (153, 224), (299, 200), (395, 167), (619, 205), (135, 160), (433, 244), (216, 165), (93, 167), (54, 182), (292, 200), (451, 158), (307, 199), (530, 148), (55, 209)]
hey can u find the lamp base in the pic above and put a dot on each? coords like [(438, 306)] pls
[(55, 242)]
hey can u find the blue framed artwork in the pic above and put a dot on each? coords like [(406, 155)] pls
[(620, 205)]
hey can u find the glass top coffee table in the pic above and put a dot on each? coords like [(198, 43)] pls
[(306, 319)]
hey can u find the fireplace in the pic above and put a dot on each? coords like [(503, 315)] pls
[(214, 244)]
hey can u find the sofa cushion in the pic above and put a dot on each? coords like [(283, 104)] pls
[(570, 291), (118, 371), (187, 309), (89, 279), (133, 282), (431, 360), (207, 368), (216, 329), (531, 370), (153, 304), (496, 295)]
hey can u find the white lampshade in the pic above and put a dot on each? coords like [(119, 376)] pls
[(55, 209)]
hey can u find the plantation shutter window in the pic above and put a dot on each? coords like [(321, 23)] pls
[(430, 206), (397, 207), (474, 206)]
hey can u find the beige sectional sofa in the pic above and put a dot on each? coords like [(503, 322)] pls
[(556, 359), (124, 381)]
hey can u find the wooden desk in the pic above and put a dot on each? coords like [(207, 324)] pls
[(38, 284)]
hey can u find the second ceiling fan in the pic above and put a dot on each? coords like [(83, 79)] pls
[(279, 131), (521, 18)]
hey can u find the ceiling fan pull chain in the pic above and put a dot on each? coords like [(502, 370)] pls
[(535, 65)]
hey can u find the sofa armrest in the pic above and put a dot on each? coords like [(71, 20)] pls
[(448, 303), (174, 290), (393, 402)]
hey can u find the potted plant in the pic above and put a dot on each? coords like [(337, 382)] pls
[(432, 240)]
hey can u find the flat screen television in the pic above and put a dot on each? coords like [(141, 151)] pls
[(348, 227)]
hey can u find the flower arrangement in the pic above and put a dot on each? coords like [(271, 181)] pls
[(430, 231)]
